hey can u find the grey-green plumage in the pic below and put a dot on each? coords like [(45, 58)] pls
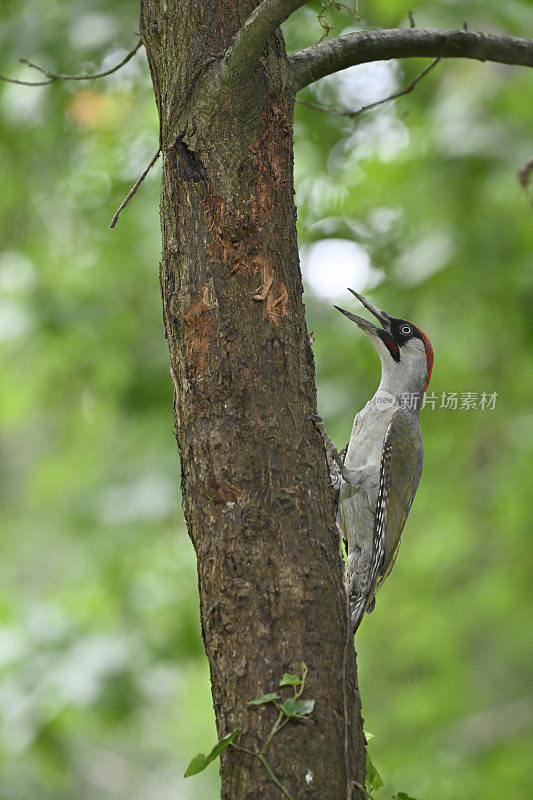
[(376, 481), (387, 512)]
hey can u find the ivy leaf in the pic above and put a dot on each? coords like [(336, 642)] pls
[(297, 708), (266, 698), (200, 762), (403, 796), (373, 779), (290, 680)]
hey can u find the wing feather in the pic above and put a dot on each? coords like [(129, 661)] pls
[(400, 470)]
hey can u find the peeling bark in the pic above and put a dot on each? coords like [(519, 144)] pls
[(254, 479)]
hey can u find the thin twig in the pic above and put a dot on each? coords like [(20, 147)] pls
[(362, 789), (277, 725), (26, 83), (56, 76), (266, 765), (278, 783), (244, 750), (351, 114), (324, 24), (347, 640), (134, 188)]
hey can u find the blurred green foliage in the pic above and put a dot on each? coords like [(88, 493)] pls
[(104, 687)]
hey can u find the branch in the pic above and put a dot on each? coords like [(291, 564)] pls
[(250, 40), (400, 93), (134, 188), (362, 46), (55, 76)]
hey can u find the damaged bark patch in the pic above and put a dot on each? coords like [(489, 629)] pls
[(189, 165), (276, 306), (271, 152), (234, 242), (233, 238), (199, 328), (272, 292), (227, 493), (235, 235)]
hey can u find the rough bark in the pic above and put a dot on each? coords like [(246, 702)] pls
[(254, 481)]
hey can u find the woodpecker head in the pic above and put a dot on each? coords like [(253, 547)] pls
[(405, 351)]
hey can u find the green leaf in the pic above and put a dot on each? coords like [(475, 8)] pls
[(266, 698), (373, 779), (290, 680), (297, 708), (403, 796), (368, 736), (200, 761)]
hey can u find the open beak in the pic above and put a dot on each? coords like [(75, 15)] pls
[(368, 327)]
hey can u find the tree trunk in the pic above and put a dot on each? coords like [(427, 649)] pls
[(254, 480)]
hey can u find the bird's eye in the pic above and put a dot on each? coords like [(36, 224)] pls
[(405, 330)]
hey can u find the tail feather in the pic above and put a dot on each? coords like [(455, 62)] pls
[(358, 606), (357, 610)]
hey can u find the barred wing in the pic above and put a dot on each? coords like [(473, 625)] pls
[(401, 467)]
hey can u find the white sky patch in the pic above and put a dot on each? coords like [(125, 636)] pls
[(366, 83), (458, 114), (363, 84), (385, 136), (320, 192), (330, 265), (23, 105), (379, 133), (381, 219), (382, 135), (424, 258), (92, 30), (151, 496), (13, 646), (136, 157), (17, 272), (15, 321), (126, 75)]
